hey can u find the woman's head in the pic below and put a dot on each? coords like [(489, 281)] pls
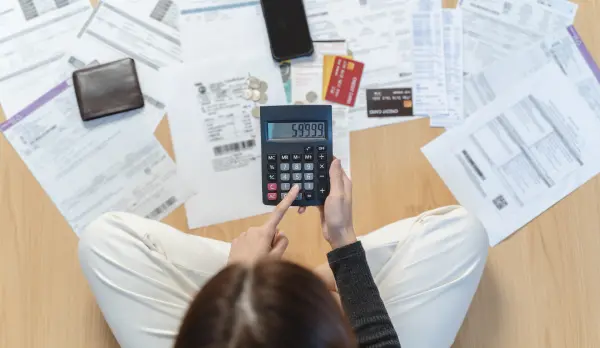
[(269, 304)]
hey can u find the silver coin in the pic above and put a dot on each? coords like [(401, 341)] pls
[(311, 97), (252, 81), (255, 112), (264, 98), (247, 94), (256, 95), (263, 86)]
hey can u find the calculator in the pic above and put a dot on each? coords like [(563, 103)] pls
[(297, 148)]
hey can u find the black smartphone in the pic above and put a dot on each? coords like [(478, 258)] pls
[(287, 28)]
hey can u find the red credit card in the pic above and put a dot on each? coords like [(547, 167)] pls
[(344, 81)]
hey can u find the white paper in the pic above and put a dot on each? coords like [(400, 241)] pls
[(95, 167), (521, 154), (228, 28), (307, 82), (215, 138), (320, 22), (564, 47), (139, 30), (495, 29), (32, 48), (453, 56), (429, 67), (371, 42)]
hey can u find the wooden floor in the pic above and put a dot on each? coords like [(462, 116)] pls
[(541, 288)]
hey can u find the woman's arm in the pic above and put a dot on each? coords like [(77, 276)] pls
[(360, 297)]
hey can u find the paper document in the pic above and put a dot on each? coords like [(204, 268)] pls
[(92, 168), (429, 67), (33, 49), (217, 139), (495, 29), (120, 29), (16, 13), (521, 154), (320, 22), (371, 42), (306, 87), (453, 56), (564, 47), (229, 28)]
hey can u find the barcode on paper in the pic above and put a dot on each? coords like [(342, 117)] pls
[(162, 208), (234, 147), (500, 202)]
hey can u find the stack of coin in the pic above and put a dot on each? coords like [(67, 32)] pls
[(257, 92)]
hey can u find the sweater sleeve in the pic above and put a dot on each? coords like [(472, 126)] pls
[(360, 298)]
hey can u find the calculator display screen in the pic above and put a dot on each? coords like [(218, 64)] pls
[(296, 131)]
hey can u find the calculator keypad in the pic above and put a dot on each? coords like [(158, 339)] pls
[(307, 169)]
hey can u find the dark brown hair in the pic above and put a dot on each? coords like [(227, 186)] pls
[(272, 304)]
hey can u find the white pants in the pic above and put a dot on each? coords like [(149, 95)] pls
[(144, 274)]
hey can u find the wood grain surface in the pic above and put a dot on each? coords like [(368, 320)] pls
[(540, 289)]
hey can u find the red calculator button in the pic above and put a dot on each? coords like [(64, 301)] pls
[(272, 186), (272, 196)]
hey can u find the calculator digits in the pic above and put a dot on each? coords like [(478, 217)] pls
[(297, 148)]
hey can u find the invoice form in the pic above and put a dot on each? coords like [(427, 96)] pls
[(522, 153), (32, 51), (144, 31), (91, 168), (564, 47), (495, 29)]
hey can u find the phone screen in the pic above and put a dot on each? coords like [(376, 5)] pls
[(288, 28)]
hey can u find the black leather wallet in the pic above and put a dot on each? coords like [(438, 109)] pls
[(107, 89)]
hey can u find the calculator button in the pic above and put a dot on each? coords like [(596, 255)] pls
[(284, 176), (321, 148), (296, 177), (308, 157), (284, 157), (322, 177), (284, 167), (308, 149), (272, 157), (283, 195), (296, 167), (272, 196), (296, 157), (309, 195), (285, 186), (322, 157), (272, 186), (309, 186), (272, 167), (323, 192), (299, 197), (322, 167), (272, 177), (299, 185), (309, 167), (309, 177)]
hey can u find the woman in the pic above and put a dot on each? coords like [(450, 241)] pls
[(425, 272)]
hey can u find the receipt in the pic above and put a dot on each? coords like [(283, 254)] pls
[(495, 29), (429, 67), (240, 26), (522, 153), (453, 56), (564, 47), (144, 31), (215, 137), (91, 168), (32, 48)]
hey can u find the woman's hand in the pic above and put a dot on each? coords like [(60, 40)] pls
[(336, 215), (263, 241)]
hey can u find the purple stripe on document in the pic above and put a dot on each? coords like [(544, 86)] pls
[(41, 101), (584, 51)]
